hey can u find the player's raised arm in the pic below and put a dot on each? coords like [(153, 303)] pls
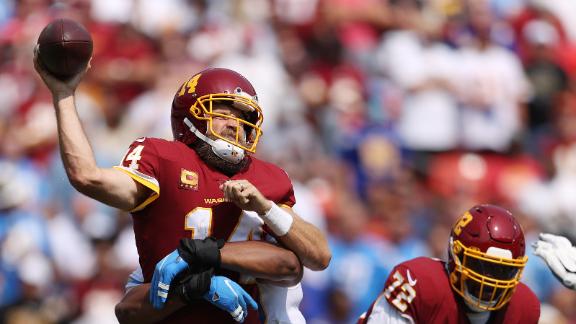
[(109, 186)]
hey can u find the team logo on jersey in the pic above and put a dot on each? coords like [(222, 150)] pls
[(188, 180)]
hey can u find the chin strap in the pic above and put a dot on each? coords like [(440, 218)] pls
[(221, 148)]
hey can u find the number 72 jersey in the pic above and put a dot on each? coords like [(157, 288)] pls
[(418, 291), (186, 201)]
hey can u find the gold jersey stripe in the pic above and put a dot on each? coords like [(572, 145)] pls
[(146, 181)]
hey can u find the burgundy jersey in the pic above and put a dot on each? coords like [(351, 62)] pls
[(419, 289), (187, 202)]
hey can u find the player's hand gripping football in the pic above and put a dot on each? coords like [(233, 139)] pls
[(195, 256), (58, 88), (560, 256), (245, 195)]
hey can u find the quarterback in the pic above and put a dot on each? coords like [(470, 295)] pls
[(479, 283), (210, 220)]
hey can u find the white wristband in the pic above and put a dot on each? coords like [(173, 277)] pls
[(278, 220)]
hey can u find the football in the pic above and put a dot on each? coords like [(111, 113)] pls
[(64, 47)]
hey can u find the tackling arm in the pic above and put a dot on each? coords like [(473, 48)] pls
[(262, 260), (136, 308), (257, 259), (219, 291)]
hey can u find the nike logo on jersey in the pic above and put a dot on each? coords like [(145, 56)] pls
[(411, 281)]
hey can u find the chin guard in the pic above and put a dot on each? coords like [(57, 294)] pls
[(224, 150), (227, 151)]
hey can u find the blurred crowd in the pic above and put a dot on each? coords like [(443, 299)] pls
[(392, 117)]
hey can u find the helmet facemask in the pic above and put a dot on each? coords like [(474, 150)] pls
[(486, 281), (249, 123)]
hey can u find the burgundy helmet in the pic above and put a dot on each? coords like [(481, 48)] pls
[(486, 256), (194, 102)]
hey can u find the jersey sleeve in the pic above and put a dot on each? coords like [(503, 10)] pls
[(289, 199), (141, 163)]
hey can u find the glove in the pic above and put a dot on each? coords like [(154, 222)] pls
[(229, 296), (559, 255), (201, 254), (191, 286), (196, 255), (166, 270)]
